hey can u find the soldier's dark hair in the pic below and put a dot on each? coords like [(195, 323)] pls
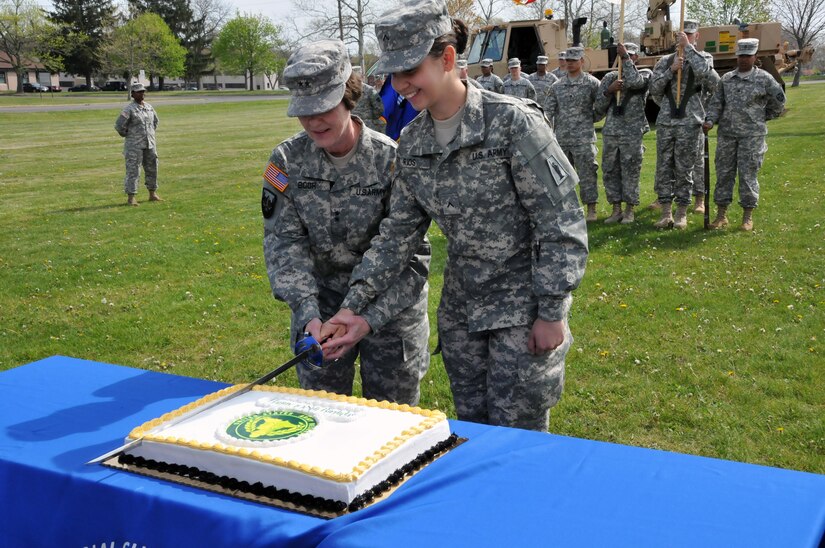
[(352, 91), (457, 38)]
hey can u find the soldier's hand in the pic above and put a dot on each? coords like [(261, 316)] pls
[(615, 86), (682, 39), (707, 126), (678, 63), (356, 329), (545, 337), (621, 50), (314, 328), (331, 331)]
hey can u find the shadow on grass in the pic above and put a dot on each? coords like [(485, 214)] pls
[(89, 208), (641, 235)]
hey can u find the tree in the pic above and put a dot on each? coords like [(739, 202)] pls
[(27, 37), (489, 10), (804, 20), (83, 24), (209, 16), (247, 45), (464, 10), (144, 42), (352, 22), (724, 12)]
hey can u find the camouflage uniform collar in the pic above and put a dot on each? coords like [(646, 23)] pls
[(316, 165), (470, 131), (745, 75)]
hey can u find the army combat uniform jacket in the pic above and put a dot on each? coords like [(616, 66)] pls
[(137, 123), (318, 223), (491, 83), (501, 193)]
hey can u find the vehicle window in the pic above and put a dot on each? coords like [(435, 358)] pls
[(495, 44), (474, 56)]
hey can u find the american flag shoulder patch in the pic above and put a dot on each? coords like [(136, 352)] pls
[(276, 177)]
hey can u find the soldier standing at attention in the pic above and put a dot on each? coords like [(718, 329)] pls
[(542, 80), (325, 191), (570, 107), (137, 123), (622, 133), (744, 101), (486, 168), (461, 67), (370, 107), (678, 127), (561, 70), (517, 85), (488, 80)]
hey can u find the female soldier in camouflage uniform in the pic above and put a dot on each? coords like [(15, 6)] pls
[(487, 169), (325, 190)]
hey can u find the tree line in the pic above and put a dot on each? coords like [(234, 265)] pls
[(165, 38)]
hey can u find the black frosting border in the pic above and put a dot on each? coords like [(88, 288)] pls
[(271, 494)]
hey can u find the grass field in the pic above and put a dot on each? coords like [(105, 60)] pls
[(698, 342)]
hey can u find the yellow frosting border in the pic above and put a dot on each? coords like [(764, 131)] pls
[(431, 418)]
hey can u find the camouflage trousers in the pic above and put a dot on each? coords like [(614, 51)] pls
[(676, 152), (583, 158), (621, 168), (393, 361), (743, 155), (493, 377), (136, 157)]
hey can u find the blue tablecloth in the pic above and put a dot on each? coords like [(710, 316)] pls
[(503, 487)]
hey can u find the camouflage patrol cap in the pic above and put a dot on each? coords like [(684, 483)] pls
[(631, 48), (541, 60), (563, 54), (407, 33), (461, 64), (747, 46), (317, 75), (574, 53), (138, 87), (691, 26), (513, 62), (486, 62)]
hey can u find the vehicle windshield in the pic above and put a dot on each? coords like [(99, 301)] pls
[(474, 56)]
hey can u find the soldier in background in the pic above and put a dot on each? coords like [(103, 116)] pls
[(137, 123), (542, 80), (370, 107), (560, 70), (325, 191), (744, 101), (461, 67), (488, 80), (503, 194), (679, 127), (517, 85), (622, 134), (571, 109)]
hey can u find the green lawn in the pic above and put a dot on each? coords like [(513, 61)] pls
[(705, 343), (11, 98)]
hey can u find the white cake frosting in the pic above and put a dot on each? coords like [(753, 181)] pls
[(314, 443)]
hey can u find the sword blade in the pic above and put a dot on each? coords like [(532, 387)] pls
[(263, 380)]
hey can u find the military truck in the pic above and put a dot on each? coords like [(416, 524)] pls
[(530, 38)]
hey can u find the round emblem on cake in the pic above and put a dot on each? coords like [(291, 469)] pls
[(272, 425)]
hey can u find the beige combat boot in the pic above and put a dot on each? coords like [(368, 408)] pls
[(591, 213), (666, 220), (153, 196), (699, 204), (616, 216), (628, 216), (680, 218), (132, 200), (655, 205), (747, 219), (721, 218)]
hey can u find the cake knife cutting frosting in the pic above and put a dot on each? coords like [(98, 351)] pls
[(306, 348)]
